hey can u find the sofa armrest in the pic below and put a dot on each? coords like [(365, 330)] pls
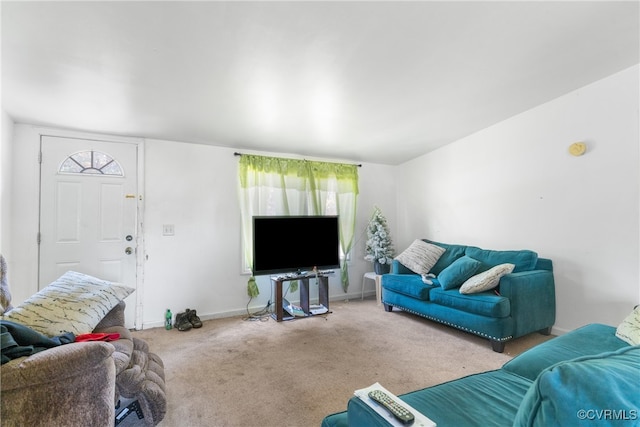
[(73, 384), (532, 297), (398, 268), (123, 346), (55, 364)]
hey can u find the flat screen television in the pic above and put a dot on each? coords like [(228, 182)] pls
[(284, 244)]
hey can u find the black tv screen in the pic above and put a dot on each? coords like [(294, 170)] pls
[(295, 243)]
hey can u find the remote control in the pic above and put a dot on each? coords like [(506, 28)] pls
[(397, 410)]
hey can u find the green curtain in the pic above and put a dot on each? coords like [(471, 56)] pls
[(277, 186)]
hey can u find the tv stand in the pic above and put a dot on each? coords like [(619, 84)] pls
[(323, 292)]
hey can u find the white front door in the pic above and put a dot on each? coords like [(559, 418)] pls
[(88, 212)]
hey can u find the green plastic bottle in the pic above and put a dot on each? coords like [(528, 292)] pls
[(167, 319)]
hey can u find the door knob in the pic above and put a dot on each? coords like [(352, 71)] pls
[(128, 250)]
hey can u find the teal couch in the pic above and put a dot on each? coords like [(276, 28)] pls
[(524, 301), (587, 377)]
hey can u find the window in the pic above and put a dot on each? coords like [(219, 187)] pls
[(91, 163), (276, 186)]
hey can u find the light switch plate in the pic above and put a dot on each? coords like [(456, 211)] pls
[(168, 230)]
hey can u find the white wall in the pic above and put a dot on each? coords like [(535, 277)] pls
[(514, 186), (193, 187), (6, 143), (22, 255)]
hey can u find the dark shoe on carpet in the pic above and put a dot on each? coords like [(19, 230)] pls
[(193, 318), (182, 322)]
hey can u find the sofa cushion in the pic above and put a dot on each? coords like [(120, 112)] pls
[(486, 280), (458, 272), (590, 339), (397, 268), (420, 256), (488, 399), (629, 329), (523, 260), (410, 285), (452, 253), (576, 392), (74, 303), (485, 304)]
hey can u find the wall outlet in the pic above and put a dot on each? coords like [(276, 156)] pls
[(168, 230)]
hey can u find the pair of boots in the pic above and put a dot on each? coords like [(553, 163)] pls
[(187, 320)]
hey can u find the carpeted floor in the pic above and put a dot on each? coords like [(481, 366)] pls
[(236, 372)]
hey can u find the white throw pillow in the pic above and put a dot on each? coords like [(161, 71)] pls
[(486, 280), (629, 329), (74, 303), (421, 256)]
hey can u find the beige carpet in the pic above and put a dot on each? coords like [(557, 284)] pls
[(236, 372)]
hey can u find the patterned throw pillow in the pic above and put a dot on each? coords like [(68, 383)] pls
[(629, 329), (74, 303), (420, 256), (486, 280)]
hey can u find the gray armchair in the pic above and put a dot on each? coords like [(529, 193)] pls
[(79, 384)]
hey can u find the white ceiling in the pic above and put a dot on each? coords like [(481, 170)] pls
[(380, 82)]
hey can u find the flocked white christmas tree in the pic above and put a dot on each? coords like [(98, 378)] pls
[(379, 247)]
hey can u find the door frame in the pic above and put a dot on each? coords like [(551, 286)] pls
[(140, 250)]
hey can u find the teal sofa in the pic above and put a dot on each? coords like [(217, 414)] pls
[(587, 377), (524, 301)]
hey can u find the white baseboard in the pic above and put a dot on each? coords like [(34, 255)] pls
[(243, 311), (559, 331)]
